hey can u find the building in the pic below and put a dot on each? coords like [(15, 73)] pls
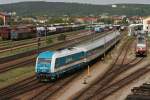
[(5, 17), (117, 19), (42, 19), (86, 20), (28, 19), (146, 24), (135, 19)]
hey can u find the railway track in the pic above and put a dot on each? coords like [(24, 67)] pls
[(4, 68), (33, 42), (45, 93), (19, 88), (30, 84), (100, 95), (113, 72), (4, 43)]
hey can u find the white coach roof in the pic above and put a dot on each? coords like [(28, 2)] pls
[(98, 42)]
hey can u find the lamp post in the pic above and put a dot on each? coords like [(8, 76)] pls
[(115, 38), (38, 41), (45, 27), (11, 24), (104, 46)]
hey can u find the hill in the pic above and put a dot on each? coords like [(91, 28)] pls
[(74, 9)]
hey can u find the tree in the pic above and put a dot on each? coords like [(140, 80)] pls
[(124, 21), (55, 20)]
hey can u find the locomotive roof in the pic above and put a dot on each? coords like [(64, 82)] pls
[(46, 54), (67, 51), (59, 53)]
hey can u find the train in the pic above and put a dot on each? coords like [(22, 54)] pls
[(141, 46), (30, 31), (98, 29), (52, 65)]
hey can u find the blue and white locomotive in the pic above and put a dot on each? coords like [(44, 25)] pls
[(54, 64)]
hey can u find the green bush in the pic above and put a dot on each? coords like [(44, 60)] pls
[(49, 40), (61, 37)]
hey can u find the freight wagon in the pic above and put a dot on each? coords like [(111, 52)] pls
[(22, 33), (61, 29), (25, 32), (5, 32)]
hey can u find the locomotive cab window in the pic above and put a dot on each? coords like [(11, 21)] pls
[(43, 60), (141, 40)]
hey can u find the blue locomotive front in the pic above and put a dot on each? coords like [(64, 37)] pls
[(43, 64)]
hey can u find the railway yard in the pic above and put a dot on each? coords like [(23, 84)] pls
[(112, 70)]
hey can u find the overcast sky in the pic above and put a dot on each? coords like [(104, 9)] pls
[(86, 1)]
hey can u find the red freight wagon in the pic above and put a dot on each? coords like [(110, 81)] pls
[(23, 33), (5, 32)]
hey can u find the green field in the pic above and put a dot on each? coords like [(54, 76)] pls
[(15, 75)]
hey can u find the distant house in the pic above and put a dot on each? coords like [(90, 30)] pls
[(86, 19), (117, 19), (5, 17), (28, 19), (135, 20), (146, 24), (41, 19)]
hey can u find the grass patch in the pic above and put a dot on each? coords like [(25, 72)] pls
[(15, 75), (0, 38)]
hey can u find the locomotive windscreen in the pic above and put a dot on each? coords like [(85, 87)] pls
[(43, 60), (141, 40)]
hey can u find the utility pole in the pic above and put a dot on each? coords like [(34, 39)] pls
[(11, 24), (38, 41), (104, 46), (45, 26)]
